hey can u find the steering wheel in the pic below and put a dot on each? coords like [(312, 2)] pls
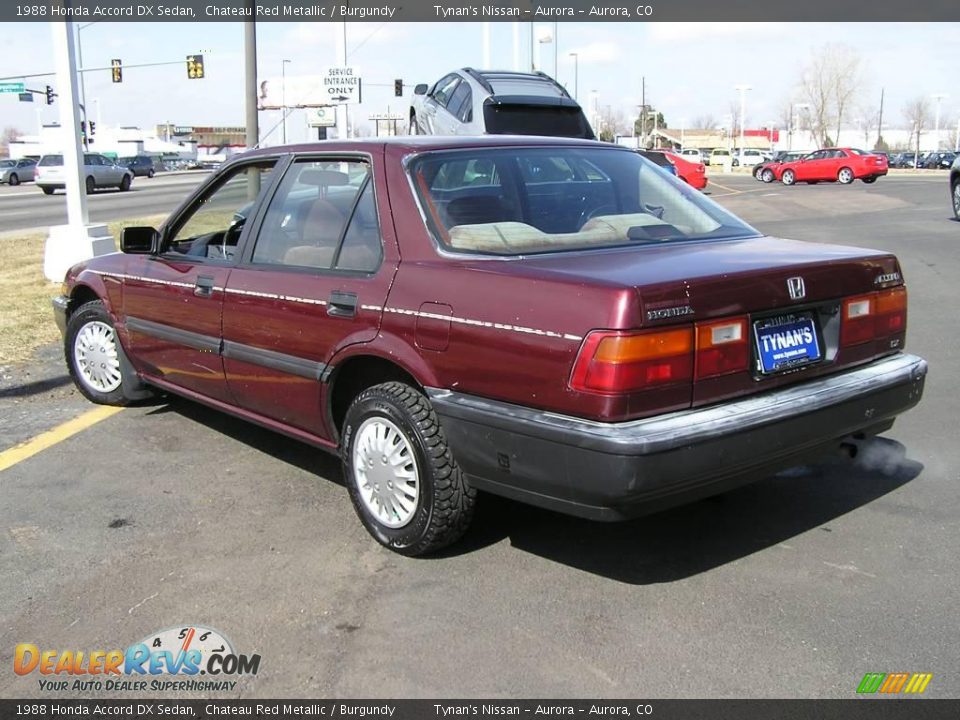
[(587, 215)]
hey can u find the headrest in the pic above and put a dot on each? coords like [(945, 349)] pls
[(323, 178)]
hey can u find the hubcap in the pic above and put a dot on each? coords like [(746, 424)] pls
[(95, 352), (956, 198), (845, 176), (386, 473)]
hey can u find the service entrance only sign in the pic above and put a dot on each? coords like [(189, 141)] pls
[(341, 85)]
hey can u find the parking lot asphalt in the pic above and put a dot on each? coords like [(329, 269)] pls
[(171, 514)]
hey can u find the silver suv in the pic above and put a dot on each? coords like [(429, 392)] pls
[(99, 171), (494, 102)]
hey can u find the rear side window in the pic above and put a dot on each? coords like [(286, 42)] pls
[(460, 105), (536, 120), (51, 160)]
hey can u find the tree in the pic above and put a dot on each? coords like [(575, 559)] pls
[(917, 114), (704, 122), (829, 84), (655, 121), (611, 123), (9, 135)]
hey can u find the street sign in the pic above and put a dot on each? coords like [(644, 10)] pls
[(386, 116), (341, 85), (11, 87), (325, 117), (26, 97)]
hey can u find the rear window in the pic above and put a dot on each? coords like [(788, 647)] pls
[(536, 120), (519, 201), (8, 163), (51, 160)]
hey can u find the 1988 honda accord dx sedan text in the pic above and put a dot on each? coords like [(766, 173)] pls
[(557, 321)]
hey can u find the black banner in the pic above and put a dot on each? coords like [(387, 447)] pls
[(872, 709), (493, 11)]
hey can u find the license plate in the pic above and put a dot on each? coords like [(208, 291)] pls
[(786, 342)]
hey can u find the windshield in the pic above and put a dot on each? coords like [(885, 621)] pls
[(48, 160), (8, 163), (517, 201)]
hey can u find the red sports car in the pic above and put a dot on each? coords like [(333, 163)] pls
[(694, 174), (843, 165)]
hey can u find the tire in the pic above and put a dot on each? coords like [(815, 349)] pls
[(955, 193), (414, 129), (439, 501), (98, 365), (13, 179), (91, 185), (767, 175), (870, 179), (124, 184), (735, 163), (151, 173), (758, 173), (47, 190), (789, 177), (845, 176)]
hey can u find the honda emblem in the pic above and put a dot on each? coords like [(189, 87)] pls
[(796, 288)]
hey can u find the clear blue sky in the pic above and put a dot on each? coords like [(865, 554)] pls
[(690, 68)]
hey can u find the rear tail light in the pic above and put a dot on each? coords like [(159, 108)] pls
[(722, 347), (879, 314), (618, 362)]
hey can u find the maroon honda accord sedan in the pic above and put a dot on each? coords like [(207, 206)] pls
[(556, 321)]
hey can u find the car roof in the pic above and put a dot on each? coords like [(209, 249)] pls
[(509, 82), (422, 143)]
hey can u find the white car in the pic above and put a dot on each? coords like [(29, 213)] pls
[(99, 172), (693, 155), (748, 157)]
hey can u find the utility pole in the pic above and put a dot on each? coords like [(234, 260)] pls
[(340, 31), (938, 97), (250, 96), (576, 75), (643, 109), (880, 120)]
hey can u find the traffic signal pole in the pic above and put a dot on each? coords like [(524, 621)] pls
[(69, 244)]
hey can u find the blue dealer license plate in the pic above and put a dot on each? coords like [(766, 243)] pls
[(786, 342)]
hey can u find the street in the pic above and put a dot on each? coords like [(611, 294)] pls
[(170, 513)]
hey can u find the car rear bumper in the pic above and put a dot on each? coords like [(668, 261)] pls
[(613, 471)]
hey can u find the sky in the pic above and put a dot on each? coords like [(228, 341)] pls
[(690, 68)]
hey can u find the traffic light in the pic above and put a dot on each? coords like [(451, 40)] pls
[(398, 87), (195, 67), (117, 68), (93, 126), (49, 95)]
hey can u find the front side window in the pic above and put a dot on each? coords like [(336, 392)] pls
[(445, 88), (323, 216), (212, 227), (552, 199)]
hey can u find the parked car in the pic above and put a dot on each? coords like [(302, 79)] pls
[(139, 165), (14, 172), (659, 158), (693, 155), (748, 156), (955, 186), (691, 172), (903, 160), (938, 160), (765, 171), (360, 303), (843, 165), (486, 102), (99, 172), (718, 156)]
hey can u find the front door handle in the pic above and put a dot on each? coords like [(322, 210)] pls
[(204, 286), (342, 304)]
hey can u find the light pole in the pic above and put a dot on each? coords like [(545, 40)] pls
[(683, 124), (283, 96), (770, 124), (794, 125), (576, 72), (83, 87), (936, 133), (742, 89)]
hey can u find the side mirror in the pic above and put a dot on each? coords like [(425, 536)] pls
[(420, 89), (139, 240)]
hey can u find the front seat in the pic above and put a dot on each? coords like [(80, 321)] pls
[(319, 235)]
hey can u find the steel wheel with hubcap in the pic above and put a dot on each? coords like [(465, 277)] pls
[(96, 359), (789, 177), (767, 175), (956, 199), (14, 180), (91, 185), (845, 176), (405, 486)]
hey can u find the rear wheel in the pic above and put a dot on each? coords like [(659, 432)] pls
[(406, 487), (97, 363), (845, 176), (767, 175), (13, 179), (125, 183), (414, 130), (789, 177), (758, 173), (956, 198), (870, 179), (91, 185), (47, 190), (150, 173)]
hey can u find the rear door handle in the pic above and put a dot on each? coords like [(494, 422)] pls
[(204, 286), (342, 304)]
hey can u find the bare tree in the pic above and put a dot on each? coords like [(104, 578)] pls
[(9, 135), (704, 122), (829, 84), (869, 122), (612, 123), (917, 114)]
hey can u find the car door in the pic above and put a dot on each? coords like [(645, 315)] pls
[(809, 166), (314, 280), (437, 120), (173, 300)]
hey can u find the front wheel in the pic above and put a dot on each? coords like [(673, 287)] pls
[(47, 190), (789, 177), (96, 360), (758, 173), (406, 487), (845, 176), (13, 180), (124, 184), (150, 173), (767, 175), (956, 198), (870, 179), (91, 185), (414, 129)]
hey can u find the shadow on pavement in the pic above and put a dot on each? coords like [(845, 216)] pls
[(659, 548), (36, 387)]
